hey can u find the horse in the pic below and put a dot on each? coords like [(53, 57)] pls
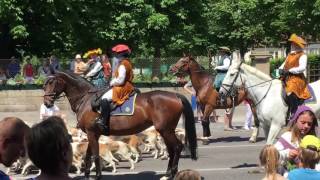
[(265, 93), (206, 94), (159, 108)]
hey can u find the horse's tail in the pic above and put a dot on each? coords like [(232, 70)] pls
[(191, 135)]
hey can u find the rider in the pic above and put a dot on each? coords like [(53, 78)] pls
[(121, 85), (222, 66), (95, 72), (292, 74)]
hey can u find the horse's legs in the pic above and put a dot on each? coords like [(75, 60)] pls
[(174, 147), (94, 146), (87, 163), (273, 132), (255, 131), (205, 124)]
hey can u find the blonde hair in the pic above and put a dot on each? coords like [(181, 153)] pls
[(269, 158), (187, 174)]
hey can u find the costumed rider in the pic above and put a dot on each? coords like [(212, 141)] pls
[(292, 74), (222, 67), (95, 70), (121, 84)]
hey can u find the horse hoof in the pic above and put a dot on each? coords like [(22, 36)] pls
[(252, 141)]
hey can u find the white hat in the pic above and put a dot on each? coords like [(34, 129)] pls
[(78, 56)]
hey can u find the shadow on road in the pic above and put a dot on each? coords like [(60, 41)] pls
[(147, 175), (234, 139)]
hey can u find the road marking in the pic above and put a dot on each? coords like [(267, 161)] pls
[(231, 146)]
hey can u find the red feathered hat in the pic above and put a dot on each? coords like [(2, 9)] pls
[(121, 48)]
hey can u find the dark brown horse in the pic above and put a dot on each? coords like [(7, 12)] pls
[(159, 108), (207, 96)]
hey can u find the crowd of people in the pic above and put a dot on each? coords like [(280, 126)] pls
[(94, 66)]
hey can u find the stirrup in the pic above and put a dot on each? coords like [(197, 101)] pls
[(102, 125)]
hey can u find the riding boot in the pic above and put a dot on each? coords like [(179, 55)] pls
[(293, 102), (103, 121)]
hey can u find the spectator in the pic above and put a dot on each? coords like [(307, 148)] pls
[(28, 72), (187, 174), (309, 156), (49, 148), (228, 120), (46, 112), (195, 106), (249, 116), (44, 70), (79, 66), (269, 159), (12, 132), (13, 68), (3, 77), (304, 122), (54, 63), (106, 67)]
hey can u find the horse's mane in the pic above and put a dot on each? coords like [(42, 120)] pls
[(256, 72), (76, 78)]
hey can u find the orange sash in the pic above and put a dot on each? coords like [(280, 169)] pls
[(296, 83), (121, 92)]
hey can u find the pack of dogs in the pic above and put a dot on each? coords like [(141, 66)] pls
[(112, 150)]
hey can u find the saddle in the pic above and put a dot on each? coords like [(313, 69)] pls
[(96, 98)]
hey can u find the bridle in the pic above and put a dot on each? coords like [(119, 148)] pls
[(232, 86)]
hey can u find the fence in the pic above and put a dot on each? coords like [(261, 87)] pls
[(313, 72)]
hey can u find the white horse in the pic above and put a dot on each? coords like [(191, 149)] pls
[(265, 93)]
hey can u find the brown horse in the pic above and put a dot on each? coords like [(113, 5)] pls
[(207, 96), (159, 108)]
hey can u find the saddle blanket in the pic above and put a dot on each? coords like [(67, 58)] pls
[(126, 109), (313, 98)]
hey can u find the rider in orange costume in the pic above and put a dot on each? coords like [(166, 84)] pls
[(121, 84), (292, 72)]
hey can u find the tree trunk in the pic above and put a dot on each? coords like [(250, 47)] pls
[(156, 63)]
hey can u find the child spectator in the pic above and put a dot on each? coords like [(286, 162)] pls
[(304, 122), (49, 148), (269, 159), (46, 112), (12, 133), (309, 156), (28, 72)]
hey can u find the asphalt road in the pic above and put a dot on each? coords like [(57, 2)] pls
[(228, 156)]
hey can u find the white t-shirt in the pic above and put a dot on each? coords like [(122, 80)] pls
[(44, 111)]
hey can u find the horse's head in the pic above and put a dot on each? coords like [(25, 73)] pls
[(53, 87), (231, 79), (182, 66)]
